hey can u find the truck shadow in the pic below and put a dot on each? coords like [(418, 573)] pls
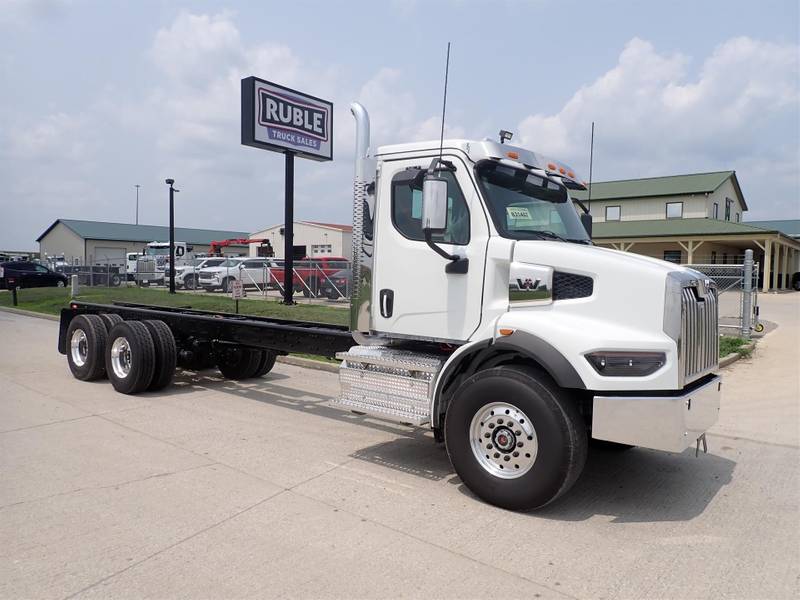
[(269, 391), (639, 485)]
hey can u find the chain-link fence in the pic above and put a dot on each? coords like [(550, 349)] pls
[(738, 300), (95, 275), (319, 281)]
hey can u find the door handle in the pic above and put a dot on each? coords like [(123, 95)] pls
[(387, 303)]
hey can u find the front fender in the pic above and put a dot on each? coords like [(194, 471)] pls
[(518, 347)]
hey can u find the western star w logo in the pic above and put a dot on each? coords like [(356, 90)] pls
[(287, 113), (528, 284)]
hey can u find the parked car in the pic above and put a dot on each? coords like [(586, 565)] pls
[(186, 275), (337, 285), (219, 277), (29, 274)]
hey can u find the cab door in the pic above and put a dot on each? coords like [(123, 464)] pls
[(413, 295)]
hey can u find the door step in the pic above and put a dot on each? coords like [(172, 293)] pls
[(388, 383)]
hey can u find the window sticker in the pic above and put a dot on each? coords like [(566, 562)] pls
[(416, 204), (518, 212)]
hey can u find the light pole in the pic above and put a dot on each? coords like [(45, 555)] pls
[(137, 186), (172, 191)]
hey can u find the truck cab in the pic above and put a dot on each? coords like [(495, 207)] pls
[(479, 301)]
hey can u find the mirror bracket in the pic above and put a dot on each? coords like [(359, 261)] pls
[(458, 264)]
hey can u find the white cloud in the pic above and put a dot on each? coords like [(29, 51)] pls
[(653, 119)]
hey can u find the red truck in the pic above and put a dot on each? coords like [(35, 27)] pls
[(309, 273)]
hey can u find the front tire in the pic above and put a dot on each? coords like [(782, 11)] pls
[(226, 285), (189, 283), (514, 438), (130, 357)]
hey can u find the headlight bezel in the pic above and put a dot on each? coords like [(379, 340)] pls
[(626, 363)]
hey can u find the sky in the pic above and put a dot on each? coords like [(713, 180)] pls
[(98, 96)]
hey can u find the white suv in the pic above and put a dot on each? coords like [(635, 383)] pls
[(252, 272), (186, 275)]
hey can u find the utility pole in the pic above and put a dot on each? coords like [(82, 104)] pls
[(172, 190), (137, 186)]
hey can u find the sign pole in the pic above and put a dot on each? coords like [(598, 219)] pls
[(288, 231)]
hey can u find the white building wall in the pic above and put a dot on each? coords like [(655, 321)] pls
[(318, 240), (61, 240), (726, 190), (651, 209)]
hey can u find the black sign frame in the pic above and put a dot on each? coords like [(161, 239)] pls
[(249, 120)]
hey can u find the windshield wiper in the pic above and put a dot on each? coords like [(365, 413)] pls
[(547, 234)]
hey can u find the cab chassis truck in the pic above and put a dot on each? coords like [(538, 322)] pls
[(480, 309)]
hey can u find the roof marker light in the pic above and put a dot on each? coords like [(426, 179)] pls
[(551, 166), (562, 170), (512, 154), (571, 174)]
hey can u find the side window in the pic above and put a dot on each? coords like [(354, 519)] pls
[(40, 269), (407, 210), (612, 213), (674, 210)]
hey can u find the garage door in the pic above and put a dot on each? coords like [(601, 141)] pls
[(113, 257)]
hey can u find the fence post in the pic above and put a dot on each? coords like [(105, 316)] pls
[(75, 285), (747, 294)]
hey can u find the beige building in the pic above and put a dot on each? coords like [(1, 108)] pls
[(311, 238), (99, 242), (690, 219)]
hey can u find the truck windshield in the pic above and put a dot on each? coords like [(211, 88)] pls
[(525, 206), (158, 251)]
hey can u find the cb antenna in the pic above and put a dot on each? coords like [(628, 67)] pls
[(591, 160), (444, 101)]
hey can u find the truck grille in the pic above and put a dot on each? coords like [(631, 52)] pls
[(567, 286), (699, 342)]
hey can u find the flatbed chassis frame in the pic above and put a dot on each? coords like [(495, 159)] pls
[(192, 327)]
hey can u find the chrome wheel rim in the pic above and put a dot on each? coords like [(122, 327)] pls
[(121, 357), (79, 347), (503, 440), (60, 284)]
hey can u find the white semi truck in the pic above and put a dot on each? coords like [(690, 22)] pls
[(480, 310)]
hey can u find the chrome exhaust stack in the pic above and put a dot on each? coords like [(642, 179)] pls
[(363, 216)]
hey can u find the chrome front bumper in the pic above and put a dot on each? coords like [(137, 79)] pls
[(669, 423)]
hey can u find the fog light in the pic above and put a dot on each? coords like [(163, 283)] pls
[(626, 364)]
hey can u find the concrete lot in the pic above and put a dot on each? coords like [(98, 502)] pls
[(218, 489)]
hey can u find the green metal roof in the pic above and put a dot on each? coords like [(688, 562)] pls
[(101, 230), (671, 185), (790, 227), (674, 227)]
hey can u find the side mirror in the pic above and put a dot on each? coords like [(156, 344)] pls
[(586, 221), (434, 204)]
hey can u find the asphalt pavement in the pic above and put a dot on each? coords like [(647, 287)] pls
[(217, 489)]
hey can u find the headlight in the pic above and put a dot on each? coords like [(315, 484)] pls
[(626, 364)]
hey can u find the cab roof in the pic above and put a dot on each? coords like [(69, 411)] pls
[(485, 149)]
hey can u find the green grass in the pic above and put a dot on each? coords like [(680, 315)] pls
[(52, 300), (730, 344)]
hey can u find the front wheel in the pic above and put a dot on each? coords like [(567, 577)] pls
[(226, 285), (189, 283), (60, 284), (514, 438)]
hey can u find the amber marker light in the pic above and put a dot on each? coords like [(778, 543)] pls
[(512, 154), (506, 331)]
